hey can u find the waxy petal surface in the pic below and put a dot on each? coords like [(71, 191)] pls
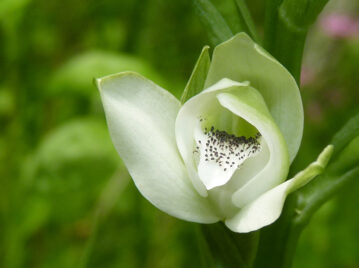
[(249, 104), (187, 122), (141, 118), (240, 59), (268, 207)]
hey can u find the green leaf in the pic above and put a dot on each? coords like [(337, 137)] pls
[(246, 19), (71, 164), (270, 24), (287, 24), (217, 28), (198, 77), (75, 76), (300, 14), (346, 134)]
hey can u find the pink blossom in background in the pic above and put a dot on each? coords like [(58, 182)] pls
[(340, 25)]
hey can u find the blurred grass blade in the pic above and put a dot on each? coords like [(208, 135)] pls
[(346, 134), (247, 20), (216, 27), (198, 77), (111, 193)]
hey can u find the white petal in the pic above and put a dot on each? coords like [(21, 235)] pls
[(261, 212), (251, 168), (141, 118), (220, 156), (187, 122), (268, 207), (208, 172), (249, 104), (240, 59)]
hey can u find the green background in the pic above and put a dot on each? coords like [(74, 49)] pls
[(66, 200)]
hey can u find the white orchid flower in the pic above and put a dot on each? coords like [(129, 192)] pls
[(225, 153)]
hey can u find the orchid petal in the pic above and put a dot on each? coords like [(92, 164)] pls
[(248, 104), (187, 122), (268, 207), (141, 118), (240, 59)]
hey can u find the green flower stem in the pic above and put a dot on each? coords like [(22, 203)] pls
[(271, 18), (309, 200), (274, 239), (229, 249), (301, 13), (286, 29), (286, 231), (299, 209), (288, 48)]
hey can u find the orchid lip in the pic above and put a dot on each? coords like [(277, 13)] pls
[(221, 154)]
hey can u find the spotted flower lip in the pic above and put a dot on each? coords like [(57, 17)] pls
[(225, 153), (220, 152)]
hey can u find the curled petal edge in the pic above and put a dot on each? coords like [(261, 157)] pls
[(267, 208), (241, 59), (248, 104)]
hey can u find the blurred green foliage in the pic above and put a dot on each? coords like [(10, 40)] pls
[(66, 199)]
